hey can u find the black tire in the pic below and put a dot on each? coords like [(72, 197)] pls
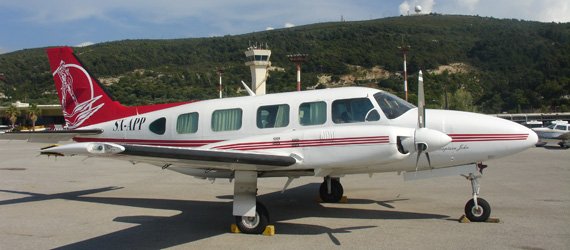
[(254, 225), (477, 215), (336, 191)]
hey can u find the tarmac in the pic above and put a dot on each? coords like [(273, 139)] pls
[(94, 203)]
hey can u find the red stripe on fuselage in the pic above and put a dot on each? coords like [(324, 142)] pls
[(487, 137), (306, 143)]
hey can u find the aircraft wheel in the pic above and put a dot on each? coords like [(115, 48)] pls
[(336, 191), (480, 213), (256, 224)]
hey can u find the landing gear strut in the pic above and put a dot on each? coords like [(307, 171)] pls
[(251, 216), (331, 190), (476, 209)]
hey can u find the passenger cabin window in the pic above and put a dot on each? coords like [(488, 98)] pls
[(312, 113), (226, 120), (158, 126), (354, 110), (187, 123), (274, 116), (391, 105)]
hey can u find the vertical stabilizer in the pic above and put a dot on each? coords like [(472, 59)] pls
[(83, 100)]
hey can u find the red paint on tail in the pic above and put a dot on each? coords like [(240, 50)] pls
[(83, 99)]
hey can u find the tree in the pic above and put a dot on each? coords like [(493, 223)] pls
[(33, 113), (12, 114)]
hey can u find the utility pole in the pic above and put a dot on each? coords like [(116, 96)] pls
[(405, 49), (298, 58), (220, 72)]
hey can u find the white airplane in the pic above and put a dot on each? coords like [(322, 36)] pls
[(326, 133), (557, 131)]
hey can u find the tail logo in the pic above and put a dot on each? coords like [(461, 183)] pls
[(76, 111)]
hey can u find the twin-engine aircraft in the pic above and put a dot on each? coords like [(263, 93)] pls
[(326, 133)]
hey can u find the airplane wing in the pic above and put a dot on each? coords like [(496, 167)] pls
[(47, 136), (183, 157)]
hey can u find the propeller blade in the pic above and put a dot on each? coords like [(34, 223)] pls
[(418, 160), (426, 140), (421, 148), (429, 161), (421, 102)]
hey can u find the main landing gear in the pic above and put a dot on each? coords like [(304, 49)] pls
[(477, 209), (254, 224), (331, 190), (251, 216)]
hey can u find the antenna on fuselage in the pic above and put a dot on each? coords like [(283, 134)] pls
[(249, 91)]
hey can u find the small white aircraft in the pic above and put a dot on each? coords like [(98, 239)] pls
[(326, 133), (556, 131)]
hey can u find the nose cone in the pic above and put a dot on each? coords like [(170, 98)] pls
[(432, 138), (482, 136), (532, 138)]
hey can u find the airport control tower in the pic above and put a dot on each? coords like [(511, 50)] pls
[(258, 62)]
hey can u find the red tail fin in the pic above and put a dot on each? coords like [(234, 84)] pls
[(83, 100)]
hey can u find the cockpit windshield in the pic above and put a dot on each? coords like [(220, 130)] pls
[(391, 105)]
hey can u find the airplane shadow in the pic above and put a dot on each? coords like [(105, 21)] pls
[(204, 219), (554, 148)]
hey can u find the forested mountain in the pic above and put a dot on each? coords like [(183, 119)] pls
[(506, 65)]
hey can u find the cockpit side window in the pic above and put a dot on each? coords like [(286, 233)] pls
[(391, 105), (353, 110)]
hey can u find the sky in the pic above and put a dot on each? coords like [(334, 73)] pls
[(41, 23)]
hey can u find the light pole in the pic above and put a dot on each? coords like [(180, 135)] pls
[(405, 49), (299, 58), (220, 72)]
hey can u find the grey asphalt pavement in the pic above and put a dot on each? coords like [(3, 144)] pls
[(88, 203)]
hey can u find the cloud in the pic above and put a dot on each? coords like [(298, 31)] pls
[(470, 4), (404, 8), (289, 25), (555, 11), (269, 28), (84, 44)]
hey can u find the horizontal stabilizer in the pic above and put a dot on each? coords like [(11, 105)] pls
[(47, 136)]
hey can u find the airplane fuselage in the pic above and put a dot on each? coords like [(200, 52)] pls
[(344, 130)]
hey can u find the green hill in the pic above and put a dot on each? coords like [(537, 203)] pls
[(505, 65)]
